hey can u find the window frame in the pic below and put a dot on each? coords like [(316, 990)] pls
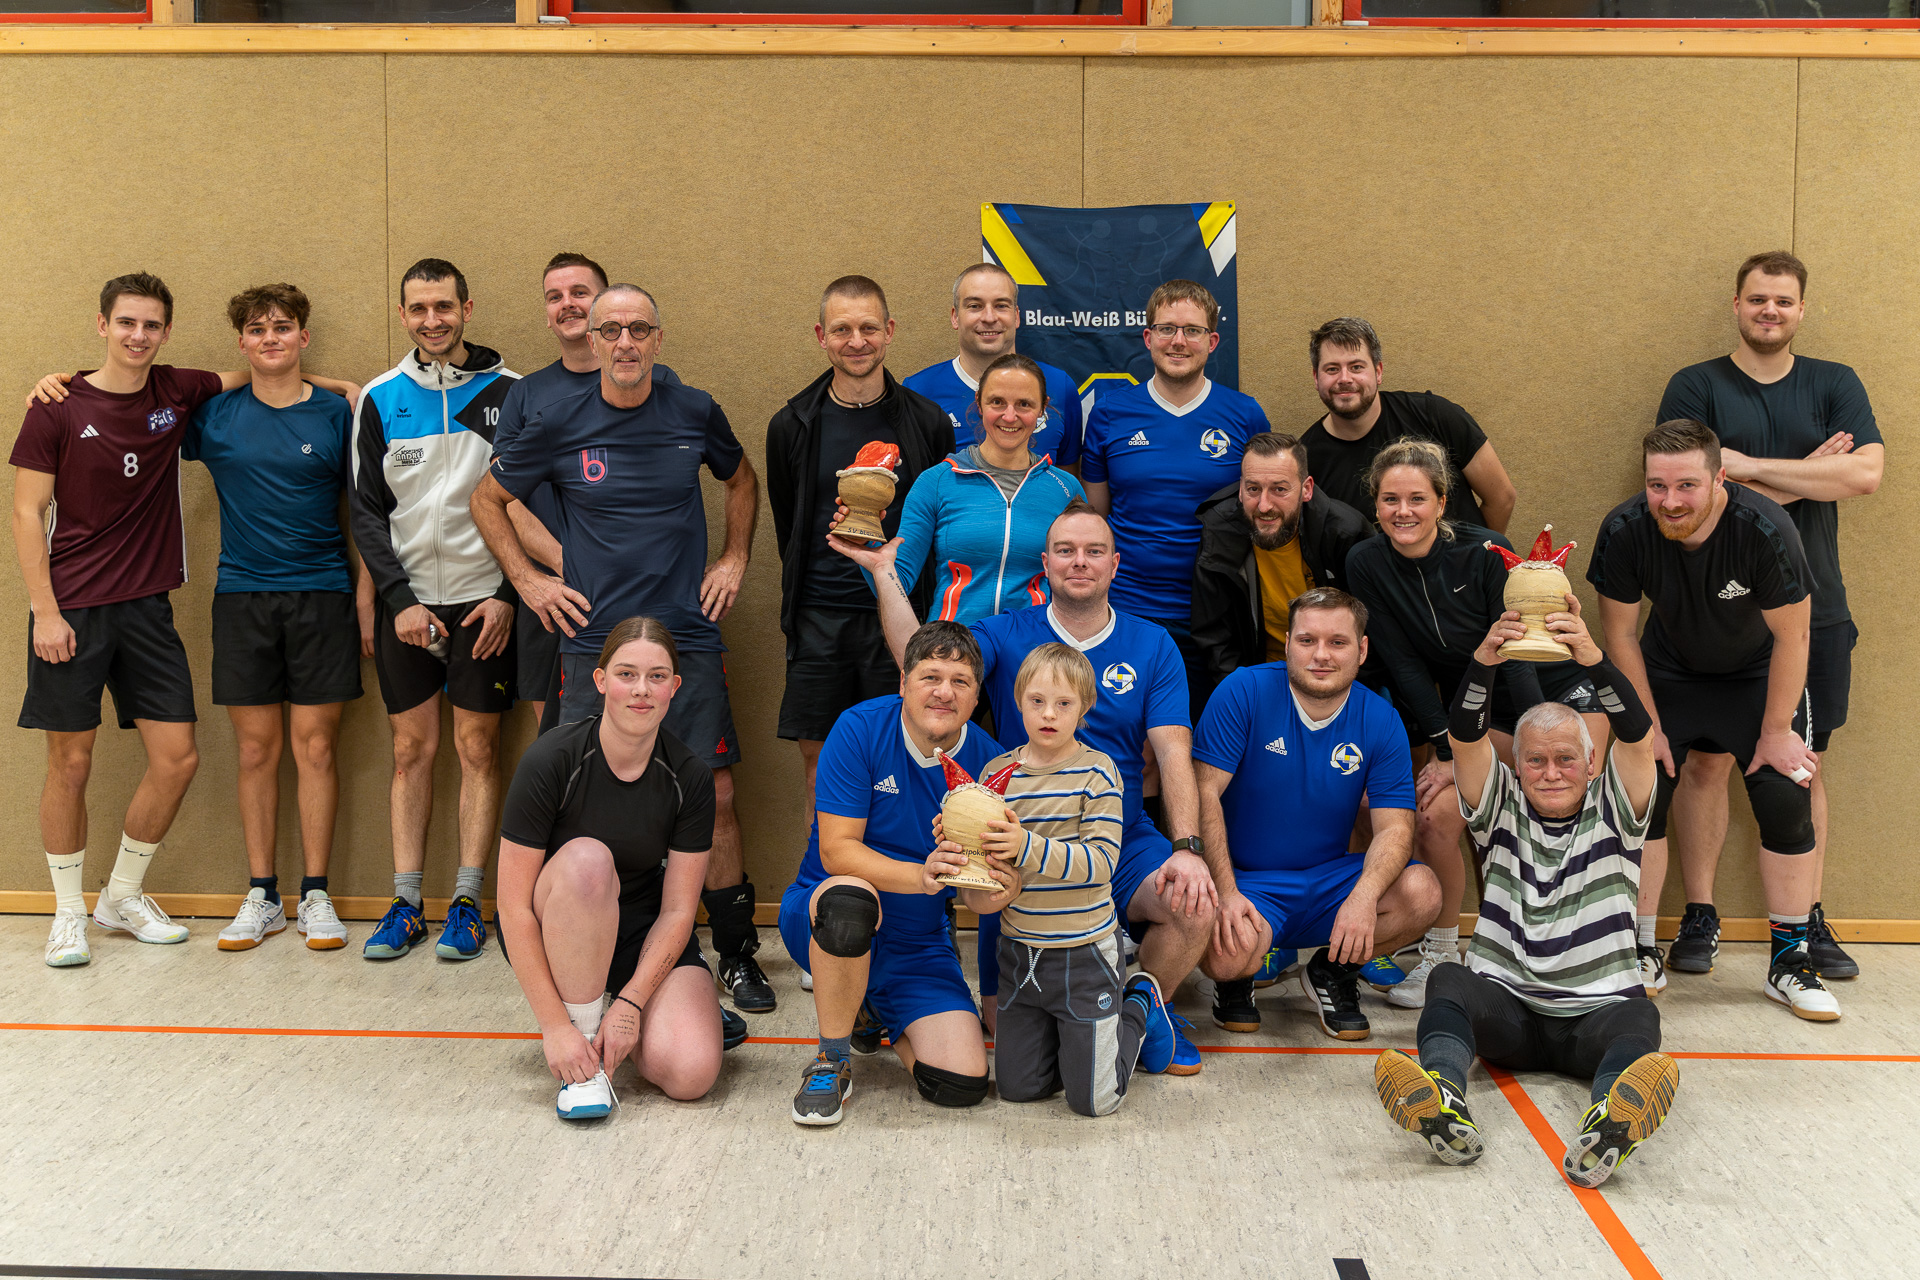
[(1133, 13), (69, 19), (1351, 11)]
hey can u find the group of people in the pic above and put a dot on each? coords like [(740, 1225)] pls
[(1233, 694)]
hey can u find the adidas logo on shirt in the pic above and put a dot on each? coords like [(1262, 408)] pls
[(89, 433), (1139, 438), (1733, 590), (887, 786), (1278, 746)]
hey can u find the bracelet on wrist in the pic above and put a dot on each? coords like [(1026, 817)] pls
[(624, 1000)]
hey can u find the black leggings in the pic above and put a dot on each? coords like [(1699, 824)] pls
[(1468, 1013)]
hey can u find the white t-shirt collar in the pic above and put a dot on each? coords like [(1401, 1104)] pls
[(960, 372), (1066, 637), (1309, 721), (928, 762), (1181, 411)]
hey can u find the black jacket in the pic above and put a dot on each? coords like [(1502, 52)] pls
[(1229, 627), (793, 464)]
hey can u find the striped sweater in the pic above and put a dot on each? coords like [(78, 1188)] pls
[(1557, 916), (1071, 814)]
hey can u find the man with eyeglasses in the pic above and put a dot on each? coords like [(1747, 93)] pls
[(1154, 452), (623, 457), (986, 314), (568, 287)]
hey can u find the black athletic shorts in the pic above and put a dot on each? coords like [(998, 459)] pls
[(538, 663), (1830, 677), (131, 650), (1568, 683), (700, 716), (409, 675), (1724, 717), (636, 921), (842, 659), (271, 647)]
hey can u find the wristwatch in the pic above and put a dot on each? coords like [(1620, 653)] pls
[(1193, 844)]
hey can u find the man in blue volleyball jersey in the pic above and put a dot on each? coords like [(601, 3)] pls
[(1154, 452), (986, 314)]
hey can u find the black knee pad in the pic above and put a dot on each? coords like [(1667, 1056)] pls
[(1783, 809), (845, 920), (1662, 801), (947, 1088)]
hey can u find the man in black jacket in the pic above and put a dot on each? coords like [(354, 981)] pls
[(836, 653), (1261, 544)]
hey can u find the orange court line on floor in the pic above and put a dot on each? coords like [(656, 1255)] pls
[(1611, 1229)]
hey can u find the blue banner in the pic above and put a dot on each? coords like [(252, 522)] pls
[(1085, 276)]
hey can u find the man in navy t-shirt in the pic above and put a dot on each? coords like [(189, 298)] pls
[(986, 314), (863, 915), (1284, 756), (1153, 453), (285, 628), (623, 457)]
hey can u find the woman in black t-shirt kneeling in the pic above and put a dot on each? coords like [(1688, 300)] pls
[(603, 851)]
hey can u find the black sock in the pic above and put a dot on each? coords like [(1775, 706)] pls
[(730, 915), (1620, 1055), (309, 883), (270, 883), (1446, 1041)]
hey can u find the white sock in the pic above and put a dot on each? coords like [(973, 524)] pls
[(68, 880), (584, 1017), (1646, 924), (130, 868), (1445, 940)]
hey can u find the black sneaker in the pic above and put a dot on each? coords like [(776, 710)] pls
[(867, 1031), (1233, 1006), (748, 986), (1335, 991), (1829, 961), (1698, 942), (733, 1030)]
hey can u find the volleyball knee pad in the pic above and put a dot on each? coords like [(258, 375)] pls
[(1783, 810), (845, 919), (949, 1088)]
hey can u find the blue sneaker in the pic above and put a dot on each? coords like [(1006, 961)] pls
[(1186, 1058), (1278, 961), (465, 933), (1157, 1044), (403, 928), (1381, 972)]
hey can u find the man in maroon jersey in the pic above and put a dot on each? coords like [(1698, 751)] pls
[(102, 456)]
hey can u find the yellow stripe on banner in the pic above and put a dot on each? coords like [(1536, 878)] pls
[(1215, 219), (999, 238)]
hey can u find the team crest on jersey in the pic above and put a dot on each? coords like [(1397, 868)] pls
[(1214, 443), (1118, 678), (1347, 758), (593, 465), (160, 420)]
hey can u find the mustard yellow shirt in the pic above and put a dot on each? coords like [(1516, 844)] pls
[(1283, 575)]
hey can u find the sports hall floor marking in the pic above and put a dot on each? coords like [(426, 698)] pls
[(208, 1273)]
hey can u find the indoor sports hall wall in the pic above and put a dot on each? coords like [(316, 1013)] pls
[(1543, 240)]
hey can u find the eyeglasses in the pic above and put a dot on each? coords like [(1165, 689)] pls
[(1168, 332), (640, 329)]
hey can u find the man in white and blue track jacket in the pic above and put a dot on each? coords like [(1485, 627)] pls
[(444, 619)]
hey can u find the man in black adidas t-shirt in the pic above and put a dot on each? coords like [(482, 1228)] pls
[(1361, 420), (1723, 667), (1800, 431)]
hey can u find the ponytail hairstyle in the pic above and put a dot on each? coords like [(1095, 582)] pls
[(1424, 456), (651, 630)]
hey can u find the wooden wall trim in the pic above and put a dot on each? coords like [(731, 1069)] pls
[(1077, 42)]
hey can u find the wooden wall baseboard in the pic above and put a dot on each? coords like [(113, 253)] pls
[(219, 905)]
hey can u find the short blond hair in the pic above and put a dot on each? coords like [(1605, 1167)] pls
[(1065, 661)]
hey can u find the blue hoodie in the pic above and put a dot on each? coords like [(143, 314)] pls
[(986, 548)]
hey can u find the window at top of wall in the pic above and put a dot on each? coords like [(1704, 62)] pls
[(351, 10)]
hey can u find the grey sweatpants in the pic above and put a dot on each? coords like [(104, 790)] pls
[(1063, 1024)]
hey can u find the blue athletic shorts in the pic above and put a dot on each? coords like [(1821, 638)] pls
[(912, 976), (1143, 851), (1299, 905)]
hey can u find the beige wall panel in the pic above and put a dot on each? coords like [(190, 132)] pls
[(216, 174), (1857, 188), (1543, 241), (734, 190)]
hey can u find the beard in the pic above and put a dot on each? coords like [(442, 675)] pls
[(1765, 346), (1681, 532), (1359, 411), (1279, 537), (1308, 686)]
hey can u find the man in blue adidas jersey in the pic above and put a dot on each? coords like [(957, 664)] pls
[(568, 287), (1284, 756), (1154, 452), (863, 915), (1162, 890), (986, 314)]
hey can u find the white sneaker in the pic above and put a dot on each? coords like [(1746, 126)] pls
[(1411, 991), (320, 922), (256, 919), (806, 980), (1792, 982), (141, 917), (589, 1101), (67, 941), (1653, 971)]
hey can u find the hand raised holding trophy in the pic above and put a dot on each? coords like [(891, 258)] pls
[(964, 815), (866, 489), (1536, 587)]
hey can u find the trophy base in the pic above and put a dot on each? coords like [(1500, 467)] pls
[(974, 877), (1536, 649), (861, 529)]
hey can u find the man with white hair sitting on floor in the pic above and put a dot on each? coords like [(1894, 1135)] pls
[(1552, 979)]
